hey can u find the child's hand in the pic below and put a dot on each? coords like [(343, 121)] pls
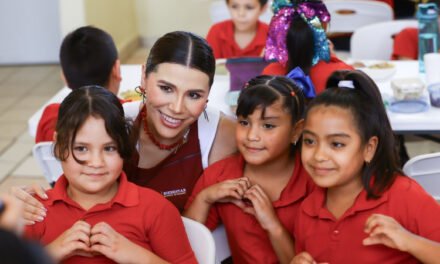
[(107, 241), (386, 230), (261, 208), (303, 258), (227, 191), (74, 241), (34, 211)]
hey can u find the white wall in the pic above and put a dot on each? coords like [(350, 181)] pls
[(30, 31), (157, 17)]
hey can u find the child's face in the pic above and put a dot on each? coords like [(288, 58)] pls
[(245, 13), (102, 162), (176, 97), (265, 140), (332, 150)]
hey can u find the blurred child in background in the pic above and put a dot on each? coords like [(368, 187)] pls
[(297, 38), (243, 35), (88, 56)]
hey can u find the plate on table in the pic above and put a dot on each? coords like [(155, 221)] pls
[(378, 71), (408, 106)]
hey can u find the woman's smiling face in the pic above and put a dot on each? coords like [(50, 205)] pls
[(176, 97)]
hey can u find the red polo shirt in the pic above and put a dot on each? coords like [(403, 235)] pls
[(221, 38), (389, 2), (140, 214), (248, 241), (48, 122), (406, 44), (46, 125), (318, 73), (340, 240)]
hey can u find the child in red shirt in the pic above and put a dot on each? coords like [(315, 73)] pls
[(94, 215), (243, 35), (297, 38), (406, 44), (256, 193), (364, 209), (88, 56)]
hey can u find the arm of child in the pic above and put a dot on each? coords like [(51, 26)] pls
[(105, 240), (74, 241), (386, 230), (34, 211), (226, 191), (262, 209)]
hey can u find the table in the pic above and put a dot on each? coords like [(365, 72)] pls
[(419, 123)]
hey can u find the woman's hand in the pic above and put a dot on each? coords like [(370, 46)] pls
[(227, 191), (262, 208), (387, 231), (105, 240), (34, 211), (74, 241)]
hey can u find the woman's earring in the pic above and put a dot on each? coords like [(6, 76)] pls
[(205, 114), (141, 91)]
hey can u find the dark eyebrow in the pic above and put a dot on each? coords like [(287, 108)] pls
[(166, 83), (305, 131), (270, 117), (163, 82)]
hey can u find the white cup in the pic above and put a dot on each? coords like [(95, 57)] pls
[(432, 67)]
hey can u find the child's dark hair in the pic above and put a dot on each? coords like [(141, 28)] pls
[(88, 101), (264, 90), (183, 48), (300, 45), (262, 2), (87, 56), (364, 101)]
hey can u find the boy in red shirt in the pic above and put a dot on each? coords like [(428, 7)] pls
[(88, 56), (243, 35)]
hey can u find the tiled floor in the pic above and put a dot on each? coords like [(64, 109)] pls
[(23, 89)]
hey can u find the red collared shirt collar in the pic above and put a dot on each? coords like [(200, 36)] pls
[(296, 187), (314, 204), (127, 194), (258, 40)]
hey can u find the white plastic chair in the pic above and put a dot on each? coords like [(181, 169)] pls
[(375, 42), (43, 153), (201, 241), (219, 12), (222, 250), (425, 169), (349, 15)]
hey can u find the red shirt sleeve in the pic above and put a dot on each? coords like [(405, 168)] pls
[(167, 235), (214, 40), (208, 178), (46, 125), (275, 68), (389, 2), (406, 44)]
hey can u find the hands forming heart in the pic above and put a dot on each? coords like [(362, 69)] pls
[(250, 198), (86, 240)]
